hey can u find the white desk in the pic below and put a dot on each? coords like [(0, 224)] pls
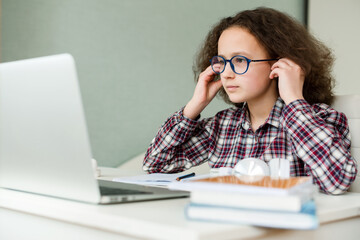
[(30, 216)]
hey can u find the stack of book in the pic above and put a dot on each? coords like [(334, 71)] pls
[(253, 200)]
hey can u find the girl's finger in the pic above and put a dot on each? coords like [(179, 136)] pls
[(285, 63), (274, 73), (280, 64), (289, 62), (207, 75)]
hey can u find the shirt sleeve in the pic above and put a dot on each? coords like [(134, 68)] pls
[(180, 144), (321, 138)]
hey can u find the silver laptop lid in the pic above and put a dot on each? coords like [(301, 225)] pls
[(44, 144)]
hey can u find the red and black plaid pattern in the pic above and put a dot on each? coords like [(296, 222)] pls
[(315, 139)]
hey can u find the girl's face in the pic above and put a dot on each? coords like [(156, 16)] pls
[(255, 84)]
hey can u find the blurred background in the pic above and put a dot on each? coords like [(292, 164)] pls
[(134, 57)]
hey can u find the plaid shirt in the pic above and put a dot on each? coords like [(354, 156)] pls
[(314, 138)]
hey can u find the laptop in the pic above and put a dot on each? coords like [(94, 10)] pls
[(44, 142)]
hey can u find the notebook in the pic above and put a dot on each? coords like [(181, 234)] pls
[(264, 185), (44, 142)]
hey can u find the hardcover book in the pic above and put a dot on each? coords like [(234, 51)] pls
[(305, 219)]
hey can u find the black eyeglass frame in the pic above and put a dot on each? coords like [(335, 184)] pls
[(248, 61)]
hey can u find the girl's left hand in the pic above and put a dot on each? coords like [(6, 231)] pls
[(291, 79)]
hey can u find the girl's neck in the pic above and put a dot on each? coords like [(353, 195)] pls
[(259, 110)]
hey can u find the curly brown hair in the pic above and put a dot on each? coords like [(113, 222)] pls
[(283, 37)]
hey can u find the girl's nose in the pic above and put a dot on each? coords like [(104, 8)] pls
[(228, 73)]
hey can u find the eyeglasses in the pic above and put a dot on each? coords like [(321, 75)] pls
[(239, 64)]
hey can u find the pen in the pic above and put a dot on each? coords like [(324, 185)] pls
[(185, 176)]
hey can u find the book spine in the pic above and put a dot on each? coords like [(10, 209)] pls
[(306, 219)]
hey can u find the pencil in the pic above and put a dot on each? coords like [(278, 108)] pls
[(185, 176)]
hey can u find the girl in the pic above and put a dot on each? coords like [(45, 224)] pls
[(278, 78)]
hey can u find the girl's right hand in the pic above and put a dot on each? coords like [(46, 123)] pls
[(205, 90)]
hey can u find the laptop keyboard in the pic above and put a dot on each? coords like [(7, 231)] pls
[(105, 191)]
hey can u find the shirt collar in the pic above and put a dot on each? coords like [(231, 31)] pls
[(275, 114), (273, 119)]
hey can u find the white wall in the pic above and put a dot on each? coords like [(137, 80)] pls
[(337, 23)]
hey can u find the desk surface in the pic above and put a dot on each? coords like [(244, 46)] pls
[(162, 219)]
